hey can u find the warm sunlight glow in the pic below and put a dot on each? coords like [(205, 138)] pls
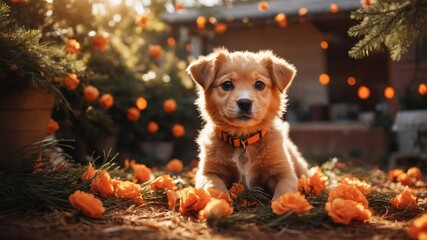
[(363, 92), (389, 92), (351, 81), (324, 79)]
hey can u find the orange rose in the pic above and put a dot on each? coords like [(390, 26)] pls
[(152, 127), (89, 173), (236, 189), (314, 184), (171, 199), (100, 42), (162, 182), (133, 114), (91, 93), (405, 199), (291, 202), (169, 105), (394, 173), (106, 101), (362, 186), (155, 51), (304, 185), (418, 228), (141, 103), (216, 208), (178, 130), (344, 211), (128, 190), (174, 165), (87, 203), (263, 6), (193, 200), (71, 81), (142, 172), (73, 47), (404, 179), (414, 173), (215, 193), (102, 184), (52, 126), (348, 192)]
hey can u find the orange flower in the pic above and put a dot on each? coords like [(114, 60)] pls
[(414, 173), (193, 200), (302, 12), (215, 193), (155, 51), (106, 101), (89, 173), (142, 172), (100, 42), (87, 203), (71, 81), (348, 192), (171, 199), (394, 173), (162, 182), (102, 184), (91, 93), (201, 22), (281, 19), (405, 199), (291, 202), (169, 105), (52, 126), (220, 27), (128, 190), (334, 8), (362, 186), (189, 47), (344, 211), (216, 208), (178, 130), (179, 6), (263, 6), (418, 228), (133, 114), (141, 19), (73, 47), (174, 165), (141, 103), (404, 179), (236, 189), (152, 127), (314, 184)]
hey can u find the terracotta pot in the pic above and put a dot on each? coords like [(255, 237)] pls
[(24, 117)]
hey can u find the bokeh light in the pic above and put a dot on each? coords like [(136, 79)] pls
[(363, 92)]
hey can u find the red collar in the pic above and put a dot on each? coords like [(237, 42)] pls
[(240, 141)]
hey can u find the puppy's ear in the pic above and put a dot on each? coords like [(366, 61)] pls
[(281, 71), (203, 69)]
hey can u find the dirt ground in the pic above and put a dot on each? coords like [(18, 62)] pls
[(154, 222)]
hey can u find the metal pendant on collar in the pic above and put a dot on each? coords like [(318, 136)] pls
[(243, 158)]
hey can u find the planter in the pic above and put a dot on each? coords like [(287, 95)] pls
[(24, 118), (411, 128), (161, 151)]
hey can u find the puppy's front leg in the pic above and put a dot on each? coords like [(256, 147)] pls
[(210, 180), (287, 183)]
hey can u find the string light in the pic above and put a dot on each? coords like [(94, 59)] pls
[(334, 8), (422, 89), (351, 81), (363, 92), (324, 79), (389, 92), (201, 22), (324, 44)]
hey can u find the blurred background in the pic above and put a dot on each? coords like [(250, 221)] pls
[(133, 55)]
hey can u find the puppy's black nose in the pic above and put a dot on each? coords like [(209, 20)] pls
[(244, 104)]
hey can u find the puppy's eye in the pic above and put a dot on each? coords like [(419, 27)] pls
[(259, 85), (227, 86)]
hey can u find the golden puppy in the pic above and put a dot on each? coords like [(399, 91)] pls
[(241, 97)]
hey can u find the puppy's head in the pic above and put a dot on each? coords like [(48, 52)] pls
[(241, 92)]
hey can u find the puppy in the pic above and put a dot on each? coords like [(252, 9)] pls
[(241, 97)]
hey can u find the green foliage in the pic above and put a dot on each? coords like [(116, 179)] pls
[(395, 25)]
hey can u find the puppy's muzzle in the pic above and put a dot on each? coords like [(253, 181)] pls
[(245, 106)]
